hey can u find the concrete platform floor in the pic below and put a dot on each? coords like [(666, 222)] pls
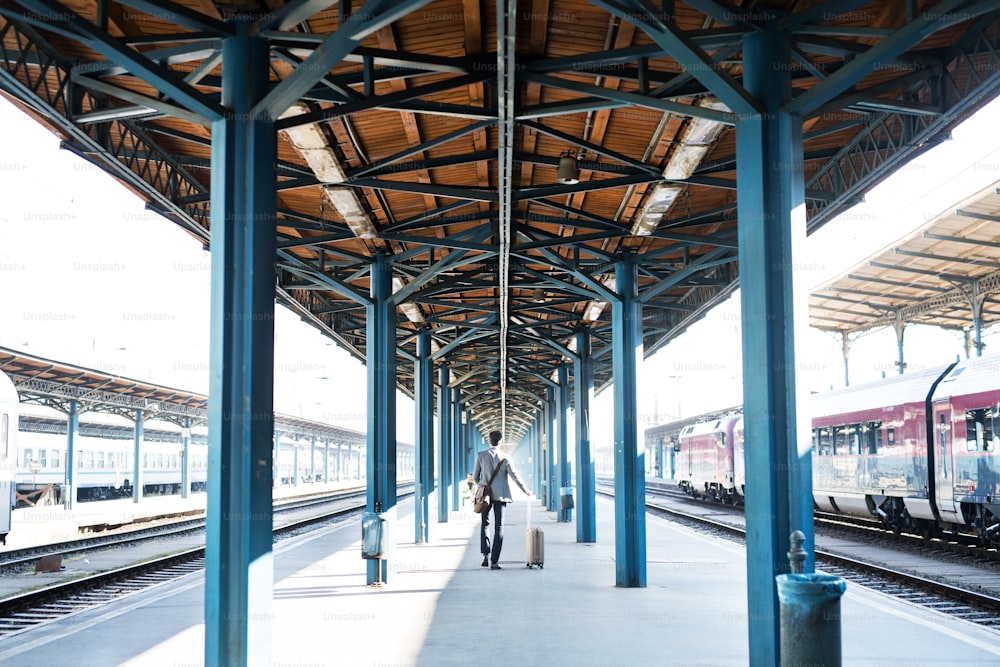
[(441, 608)]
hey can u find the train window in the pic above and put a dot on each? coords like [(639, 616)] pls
[(854, 437), (88, 460), (54, 458), (825, 441), (890, 434), (839, 440), (100, 461), (27, 456), (871, 436), (980, 429), (43, 461)]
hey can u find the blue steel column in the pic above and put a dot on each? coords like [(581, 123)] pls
[(72, 429), (552, 487), (350, 457), (326, 460), (239, 572), (457, 458), (771, 208), (423, 397), (565, 472), (312, 460), (659, 458), (137, 467), (186, 458), (381, 362), (444, 442), (295, 463), (275, 469), (340, 460), (630, 480), (586, 490), (540, 455), (899, 325)]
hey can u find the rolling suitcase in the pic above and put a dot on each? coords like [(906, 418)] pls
[(535, 540)]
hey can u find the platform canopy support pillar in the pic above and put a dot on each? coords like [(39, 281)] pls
[(899, 326), (457, 447), (772, 226), (137, 466), (72, 431), (423, 399), (586, 490), (326, 460), (239, 571), (565, 471), (551, 417), (444, 441), (976, 301), (845, 347), (186, 458), (312, 459), (630, 480), (381, 364)]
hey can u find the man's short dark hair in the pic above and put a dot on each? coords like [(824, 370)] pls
[(495, 437)]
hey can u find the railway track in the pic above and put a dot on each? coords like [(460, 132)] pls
[(17, 560), (21, 612), (978, 607)]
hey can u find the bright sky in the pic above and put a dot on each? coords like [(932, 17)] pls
[(92, 278)]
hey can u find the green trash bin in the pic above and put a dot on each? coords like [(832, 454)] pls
[(373, 536), (810, 619)]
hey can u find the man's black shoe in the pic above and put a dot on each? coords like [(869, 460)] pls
[(495, 566), (485, 561)]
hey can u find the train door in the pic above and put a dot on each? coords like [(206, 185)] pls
[(944, 469)]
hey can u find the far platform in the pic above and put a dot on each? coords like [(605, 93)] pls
[(441, 608)]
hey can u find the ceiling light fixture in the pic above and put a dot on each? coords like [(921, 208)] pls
[(569, 170)]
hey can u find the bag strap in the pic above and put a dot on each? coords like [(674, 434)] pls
[(495, 471)]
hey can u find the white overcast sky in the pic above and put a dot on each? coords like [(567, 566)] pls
[(89, 277)]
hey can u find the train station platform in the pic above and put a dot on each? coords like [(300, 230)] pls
[(441, 608)]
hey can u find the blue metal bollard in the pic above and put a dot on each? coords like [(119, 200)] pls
[(810, 613)]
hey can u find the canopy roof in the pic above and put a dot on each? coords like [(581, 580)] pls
[(433, 132)]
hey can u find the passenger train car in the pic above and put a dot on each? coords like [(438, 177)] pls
[(105, 467), (9, 410), (919, 451)]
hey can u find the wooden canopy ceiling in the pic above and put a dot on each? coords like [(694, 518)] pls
[(444, 123)]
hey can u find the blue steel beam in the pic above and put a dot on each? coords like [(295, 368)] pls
[(239, 573), (901, 40), (113, 49), (630, 481), (381, 364), (583, 387), (772, 225), (423, 408), (686, 52), (369, 18)]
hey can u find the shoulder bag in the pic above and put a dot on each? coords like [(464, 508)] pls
[(484, 494)]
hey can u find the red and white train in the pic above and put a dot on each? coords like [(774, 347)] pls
[(920, 451)]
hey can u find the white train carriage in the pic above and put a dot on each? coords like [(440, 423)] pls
[(105, 467), (9, 410)]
